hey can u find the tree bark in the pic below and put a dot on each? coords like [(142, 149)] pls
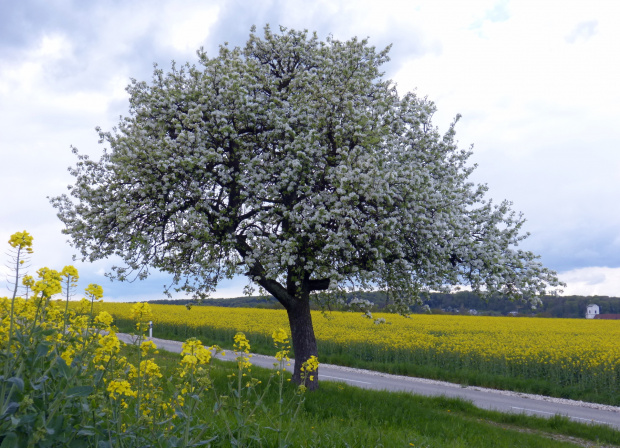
[(304, 342), (296, 300)]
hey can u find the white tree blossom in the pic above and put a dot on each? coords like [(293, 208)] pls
[(292, 161)]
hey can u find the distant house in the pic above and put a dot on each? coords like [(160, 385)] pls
[(592, 311), (473, 312), (607, 316)]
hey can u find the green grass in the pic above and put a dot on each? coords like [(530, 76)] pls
[(471, 377), (342, 416), (329, 354)]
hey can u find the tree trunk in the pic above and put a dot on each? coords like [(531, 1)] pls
[(304, 342)]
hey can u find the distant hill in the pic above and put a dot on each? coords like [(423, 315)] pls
[(463, 302)]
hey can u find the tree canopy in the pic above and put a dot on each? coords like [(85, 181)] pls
[(294, 162)]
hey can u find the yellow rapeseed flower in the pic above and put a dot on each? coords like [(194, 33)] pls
[(148, 346), (49, 283), (121, 388), (141, 312), (21, 240), (280, 336), (94, 291), (70, 272), (104, 318)]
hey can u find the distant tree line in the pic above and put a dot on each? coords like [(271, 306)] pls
[(463, 302), (552, 306)]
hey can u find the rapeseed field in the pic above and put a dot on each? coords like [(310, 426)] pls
[(578, 353)]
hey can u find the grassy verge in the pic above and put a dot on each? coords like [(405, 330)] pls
[(329, 354), (339, 415)]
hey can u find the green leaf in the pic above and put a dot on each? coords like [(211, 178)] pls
[(37, 386), (86, 432), (80, 391), (62, 367), (205, 442), (12, 407), (18, 382), (39, 383), (56, 424), (42, 350), (173, 441), (10, 441), (29, 419), (78, 443), (98, 376)]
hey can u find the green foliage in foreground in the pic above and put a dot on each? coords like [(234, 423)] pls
[(338, 415), (64, 382), (69, 386)]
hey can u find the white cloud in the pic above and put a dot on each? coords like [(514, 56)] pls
[(229, 290), (186, 32), (582, 31), (27, 75), (592, 281)]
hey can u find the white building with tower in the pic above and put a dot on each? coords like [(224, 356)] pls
[(592, 311)]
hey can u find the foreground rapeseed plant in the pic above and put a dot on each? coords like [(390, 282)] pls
[(65, 382)]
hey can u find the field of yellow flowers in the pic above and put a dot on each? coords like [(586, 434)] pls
[(578, 353)]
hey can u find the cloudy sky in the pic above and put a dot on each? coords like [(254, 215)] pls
[(535, 81)]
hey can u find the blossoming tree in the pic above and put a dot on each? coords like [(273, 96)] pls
[(294, 162)]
